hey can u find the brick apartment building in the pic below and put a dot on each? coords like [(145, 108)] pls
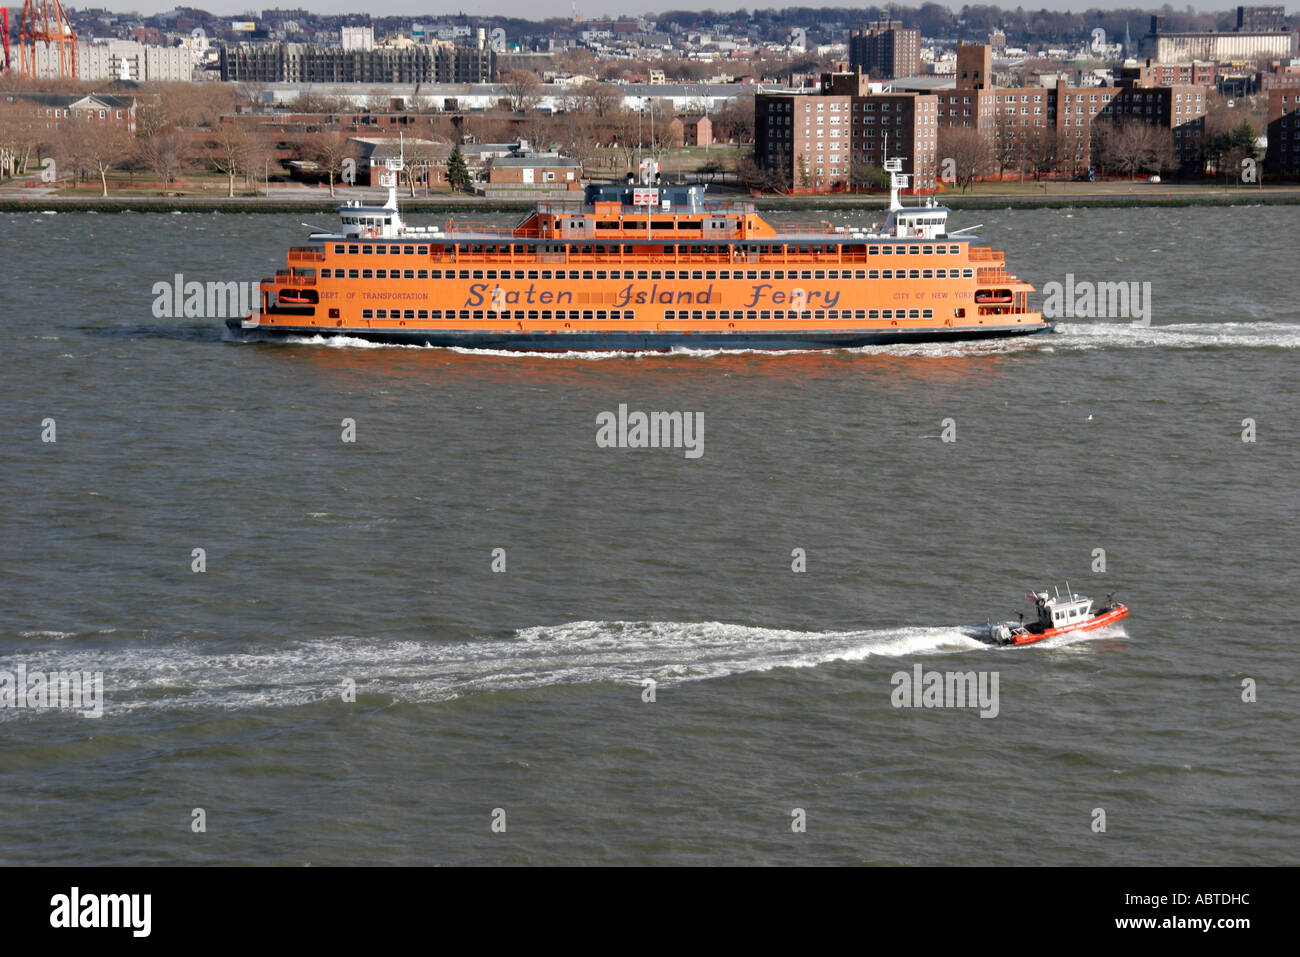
[(1283, 157), (1014, 119), (820, 140), (885, 50)]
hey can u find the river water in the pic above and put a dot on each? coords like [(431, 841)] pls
[(498, 588)]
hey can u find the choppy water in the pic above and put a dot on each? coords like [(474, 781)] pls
[(522, 690)]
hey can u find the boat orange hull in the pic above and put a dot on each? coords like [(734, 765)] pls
[(1100, 621)]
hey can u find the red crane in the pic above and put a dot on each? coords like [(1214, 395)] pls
[(44, 21), (5, 11)]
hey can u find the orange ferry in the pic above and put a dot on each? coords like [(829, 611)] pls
[(644, 267)]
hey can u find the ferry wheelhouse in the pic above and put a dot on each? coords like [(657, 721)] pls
[(644, 266)]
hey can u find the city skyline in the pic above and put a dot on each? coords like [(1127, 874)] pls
[(559, 9)]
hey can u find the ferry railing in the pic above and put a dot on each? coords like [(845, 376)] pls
[(993, 275), (306, 254), (984, 254), (285, 278)]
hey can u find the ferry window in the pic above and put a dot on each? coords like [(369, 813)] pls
[(656, 274), (670, 314), (954, 250), (338, 250), (820, 274), (546, 274), (642, 274), (873, 274), (886, 250), (968, 274), (519, 274), (437, 313), (600, 274), (697, 314), (383, 273), (859, 313), (520, 249), (600, 314), (478, 273), (927, 313), (353, 273), (424, 313), (546, 314), (690, 224), (941, 274), (887, 273), (711, 314), (367, 274), (751, 315), (961, 313), (697, 274), (586, 274), (532, 313), (834, 274), (353, 250), (586, 250), (478, 314), (927, 273), (368, 250), (873, 314), (381, 313), (913, 250), (380, 250), (324, 273), (604, 225), (819, 314), (490, 249), (586, 313), (711, 274), (334, 313), (751, 274), (914, 274), (873, 250), (464, 313), (492, 274), (927, 250), (914, 313), (365, 314), (765, 274), (532, 274), (410, 314), (766, 314), (410, 274), (780, 274), (860, 274), (806, 274)]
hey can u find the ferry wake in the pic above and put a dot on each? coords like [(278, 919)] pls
[(643, 267)]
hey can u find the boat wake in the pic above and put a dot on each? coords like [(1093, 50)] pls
[(190, 674), (1189, 335)]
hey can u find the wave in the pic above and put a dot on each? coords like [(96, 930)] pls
[(188, 675), (1189, 335)]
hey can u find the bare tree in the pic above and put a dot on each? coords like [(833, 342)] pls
[(1133, 148), (422, 158), (523, 89), (228, 151), (328, 151), (1042, 151), (95, 146), (164, 152), (970, 152), (20, 138), (599, 99)]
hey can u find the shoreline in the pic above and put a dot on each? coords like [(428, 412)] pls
[(13, 202)]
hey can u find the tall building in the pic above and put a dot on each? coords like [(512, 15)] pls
[(307, 63), (1260, 33), (1283, 158), (885, 50), (1017, 122), (827, 140)]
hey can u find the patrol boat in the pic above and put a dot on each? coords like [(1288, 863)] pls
[(1057, 614)]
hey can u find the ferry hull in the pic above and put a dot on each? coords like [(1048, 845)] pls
[(583, 341)]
